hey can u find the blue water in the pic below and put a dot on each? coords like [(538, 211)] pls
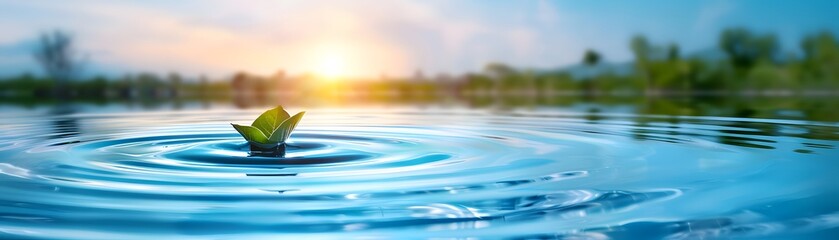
[(418, 173)]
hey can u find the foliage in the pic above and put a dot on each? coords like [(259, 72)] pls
[(591, 57), (271, 128)]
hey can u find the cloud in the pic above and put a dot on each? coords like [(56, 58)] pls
[(548, 13), (219, 37), (711, 14), (392, 37)]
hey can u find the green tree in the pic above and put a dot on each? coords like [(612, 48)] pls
[(641, 49), (673, 53), (821, 58), (591, 58), (745, 49), (504, 77), (57, 56)]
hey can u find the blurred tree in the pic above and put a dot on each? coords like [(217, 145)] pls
[(673, 52), (175, 85), (498, 70), (94, 88), (591, 57), (204, 91), (592, 85), (641, 49), (735, 43), (821, 59), (57, 57), (149, 85), (752, 64), (503, 76), (745, 49)]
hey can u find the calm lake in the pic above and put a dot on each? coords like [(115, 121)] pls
[(675, 169)]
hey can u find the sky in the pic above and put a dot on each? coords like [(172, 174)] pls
[(371, 38)]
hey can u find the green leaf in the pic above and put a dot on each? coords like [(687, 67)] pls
[(270, 120), (252, 134), (282, 132), (272, 127)]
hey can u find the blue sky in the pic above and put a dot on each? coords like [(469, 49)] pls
[(372, 37)]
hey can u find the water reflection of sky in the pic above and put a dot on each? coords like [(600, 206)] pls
[(418, 172)]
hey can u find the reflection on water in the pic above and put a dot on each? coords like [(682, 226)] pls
[(812, 108), (419, 173), (64, 123)]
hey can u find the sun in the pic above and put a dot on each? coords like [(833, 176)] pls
[(332, 66)]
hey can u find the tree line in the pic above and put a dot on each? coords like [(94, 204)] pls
[(748, 63)]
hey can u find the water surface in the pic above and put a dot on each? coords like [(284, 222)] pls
[(418, 173)]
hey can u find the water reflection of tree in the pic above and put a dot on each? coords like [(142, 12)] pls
[(64, 124), (57, 56)]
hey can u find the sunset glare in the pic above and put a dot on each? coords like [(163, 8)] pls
[(332, 66)]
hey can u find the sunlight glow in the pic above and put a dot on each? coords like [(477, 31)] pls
[(332, 65)]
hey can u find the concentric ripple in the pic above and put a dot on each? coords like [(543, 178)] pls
[(418, 174)]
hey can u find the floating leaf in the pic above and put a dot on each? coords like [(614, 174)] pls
[(272, 127), (284, 130), (270, 120), (250, 133)]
